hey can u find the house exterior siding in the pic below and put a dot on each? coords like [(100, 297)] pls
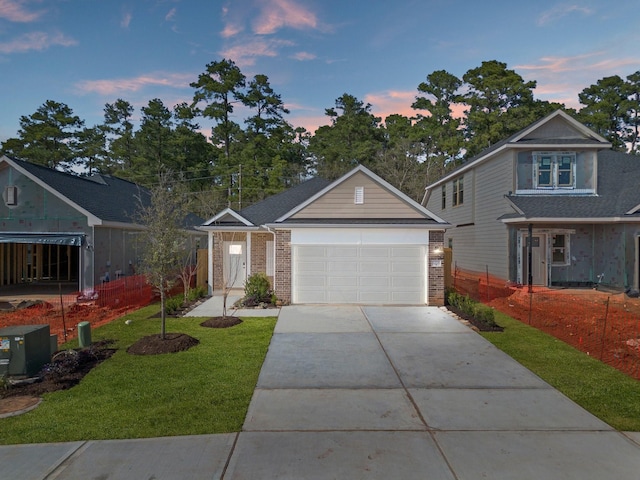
[(339, 202)]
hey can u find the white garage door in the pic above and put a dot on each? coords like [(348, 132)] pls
[(367, 274)]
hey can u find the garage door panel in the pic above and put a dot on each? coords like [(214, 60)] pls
[(373, 274), (374, 268)]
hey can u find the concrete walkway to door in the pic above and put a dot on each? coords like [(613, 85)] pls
[(410, 392)]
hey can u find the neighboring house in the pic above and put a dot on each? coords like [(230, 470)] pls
[(557, 182), (59, 227), (355, 240)]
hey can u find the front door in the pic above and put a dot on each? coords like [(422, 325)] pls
[(538, 259), (235, 264)]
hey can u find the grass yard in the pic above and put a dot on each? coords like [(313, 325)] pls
[(604, 391), (206, 389)]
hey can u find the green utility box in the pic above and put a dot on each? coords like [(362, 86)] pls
[(24, 349), (84, 334)]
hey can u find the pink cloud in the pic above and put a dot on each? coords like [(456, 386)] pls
[(15, 12), (277, 14), (302, 56), (562, 10), (116, 86), (245, 54), (560, 79), (36, 41), (126, 20), (391, 102)]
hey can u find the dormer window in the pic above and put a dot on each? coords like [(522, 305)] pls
[(358, 198), (554, 169)]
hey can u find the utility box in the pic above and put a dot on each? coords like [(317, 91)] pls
[(24, 349)]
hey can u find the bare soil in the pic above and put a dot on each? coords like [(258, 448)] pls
[(221, 322), (156, 345)]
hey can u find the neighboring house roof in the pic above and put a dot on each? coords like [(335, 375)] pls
[(526, 138), (103, 198), (618, 195), (279, 210)]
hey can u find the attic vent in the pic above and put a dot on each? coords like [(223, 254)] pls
[(11, 195), (359, 196)]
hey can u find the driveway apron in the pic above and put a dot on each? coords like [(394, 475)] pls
[(410, 392)]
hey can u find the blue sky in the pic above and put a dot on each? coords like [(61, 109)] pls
[(86, 53)]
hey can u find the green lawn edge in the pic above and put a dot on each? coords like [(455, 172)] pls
[(204, 390), (607, 393)]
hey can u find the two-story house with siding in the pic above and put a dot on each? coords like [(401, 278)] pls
[(552, 204)]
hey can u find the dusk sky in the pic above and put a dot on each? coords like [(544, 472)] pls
[(86, 53)]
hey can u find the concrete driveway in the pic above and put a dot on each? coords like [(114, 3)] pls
[(410, 392), (370, 392)]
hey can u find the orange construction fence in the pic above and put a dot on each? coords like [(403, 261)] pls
[(99, 306), (602, 324)]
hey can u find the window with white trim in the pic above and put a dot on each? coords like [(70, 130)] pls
[(554, 170), (560, 249), (458, 191)]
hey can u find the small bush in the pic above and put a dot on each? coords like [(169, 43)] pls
[(196, 293), (477, 310), (173, 304), (258, 288)]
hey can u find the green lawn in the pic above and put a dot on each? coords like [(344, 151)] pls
[(206, 389), (604, 391)]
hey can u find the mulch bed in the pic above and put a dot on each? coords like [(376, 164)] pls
[(221, 322), (481, 326), (65, 370), (155, 344)]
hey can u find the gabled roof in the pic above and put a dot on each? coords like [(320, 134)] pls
[(618, 196), (277, 210), (526, 138), (102, 198), (269, 209)]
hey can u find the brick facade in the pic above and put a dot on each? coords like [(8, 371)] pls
[(436, 273), (259, 253), (283, 265)]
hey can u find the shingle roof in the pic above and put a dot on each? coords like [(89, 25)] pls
[(109, 198), (618, 192), (272, 208)]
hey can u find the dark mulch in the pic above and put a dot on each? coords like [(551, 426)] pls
[(480, 325), (155, 344), (221, 322), (65, 370)]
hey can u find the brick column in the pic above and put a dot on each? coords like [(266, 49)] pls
[(436, 273), (283, 266)]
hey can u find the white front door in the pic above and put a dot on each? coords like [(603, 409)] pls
[(235, 264), (538, 259)]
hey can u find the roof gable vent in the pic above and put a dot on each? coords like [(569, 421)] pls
[(358, 198), (11, 195)]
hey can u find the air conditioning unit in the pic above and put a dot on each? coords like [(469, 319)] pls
[(24, 349)]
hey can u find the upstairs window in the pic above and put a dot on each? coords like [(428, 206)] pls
[(458, 191), (444, 197), (554, 170)]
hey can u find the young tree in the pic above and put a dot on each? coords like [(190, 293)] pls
[(162, 211)]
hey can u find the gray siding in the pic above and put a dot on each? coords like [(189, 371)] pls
[(478, 238)]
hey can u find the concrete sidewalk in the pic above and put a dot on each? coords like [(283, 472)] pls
[(371, 392)]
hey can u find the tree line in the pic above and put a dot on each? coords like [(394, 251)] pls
[(241, 163)]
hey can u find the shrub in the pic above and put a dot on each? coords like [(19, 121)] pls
[(173, 304), (477, 310), (258, 288), (196, 293)]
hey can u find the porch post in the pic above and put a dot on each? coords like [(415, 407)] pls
[(210, 262), (530, 258)]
